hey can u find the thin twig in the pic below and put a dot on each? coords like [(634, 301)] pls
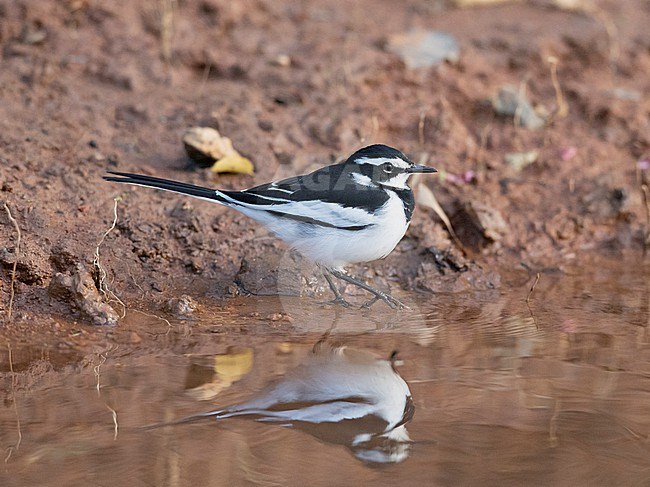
[(423, 117), (521, 95), (552, 426), (169, 325), (13, 400), (114, 413), (480, 153), (516, 118), (13, 270), (166, 30), (562, 107), (96, 369), (100, 270), (101, 273), (646, 200), (530, 293)]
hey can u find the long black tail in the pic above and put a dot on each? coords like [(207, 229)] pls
[(166, 184)]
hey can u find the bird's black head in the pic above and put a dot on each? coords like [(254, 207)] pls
[(383, 165)]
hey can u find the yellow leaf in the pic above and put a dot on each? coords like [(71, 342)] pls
[(233, 366), (233, 163)]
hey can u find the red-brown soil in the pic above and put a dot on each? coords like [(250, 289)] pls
[(89, 86)]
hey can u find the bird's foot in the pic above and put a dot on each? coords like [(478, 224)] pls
[(394, 303), (339, 301), (385, 297)]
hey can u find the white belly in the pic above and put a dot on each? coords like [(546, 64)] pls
[(336, 248)]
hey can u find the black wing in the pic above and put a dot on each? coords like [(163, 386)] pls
[(330, 184)]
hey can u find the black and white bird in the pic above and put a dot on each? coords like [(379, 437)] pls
[(352, 212), (339, 394)]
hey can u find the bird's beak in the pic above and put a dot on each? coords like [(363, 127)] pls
[(420, 168)]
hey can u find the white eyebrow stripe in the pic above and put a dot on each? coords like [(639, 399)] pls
[(378, 161)]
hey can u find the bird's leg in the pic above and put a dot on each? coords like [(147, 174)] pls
[(338, 297), (368, 304), (385, 297)]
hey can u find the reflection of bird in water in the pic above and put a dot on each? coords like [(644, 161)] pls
[(340, 395)]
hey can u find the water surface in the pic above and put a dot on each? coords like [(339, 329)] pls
[(553, 391)]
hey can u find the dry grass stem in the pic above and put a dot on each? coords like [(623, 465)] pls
[(169, 325), (516, 118), (530, 293), (552, 426), (19, 440), (166, 30), (101, 273), (423, 117), (115, 425), (646, 200), (480, 153), (97, 368), (13, 270), (517, 143), (562, 109)]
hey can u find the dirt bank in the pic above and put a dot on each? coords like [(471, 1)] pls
[(87, 86)]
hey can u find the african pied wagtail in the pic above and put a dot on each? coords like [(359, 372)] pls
[(339, 394), (351, 212)]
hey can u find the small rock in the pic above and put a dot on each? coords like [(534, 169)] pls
[(519, 160), (265, 125), (625, 94), (79, 291), (423, 48), (131, 114), (33, 34), (182, 307), (510, 101), (282, 60)]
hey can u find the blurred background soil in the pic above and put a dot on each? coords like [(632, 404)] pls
[(90, 86)]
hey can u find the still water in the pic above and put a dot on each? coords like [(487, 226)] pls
[(485, 389)]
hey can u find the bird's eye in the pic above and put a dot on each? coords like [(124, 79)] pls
[(388, 168)]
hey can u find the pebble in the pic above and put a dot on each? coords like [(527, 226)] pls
[(424, 48)]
